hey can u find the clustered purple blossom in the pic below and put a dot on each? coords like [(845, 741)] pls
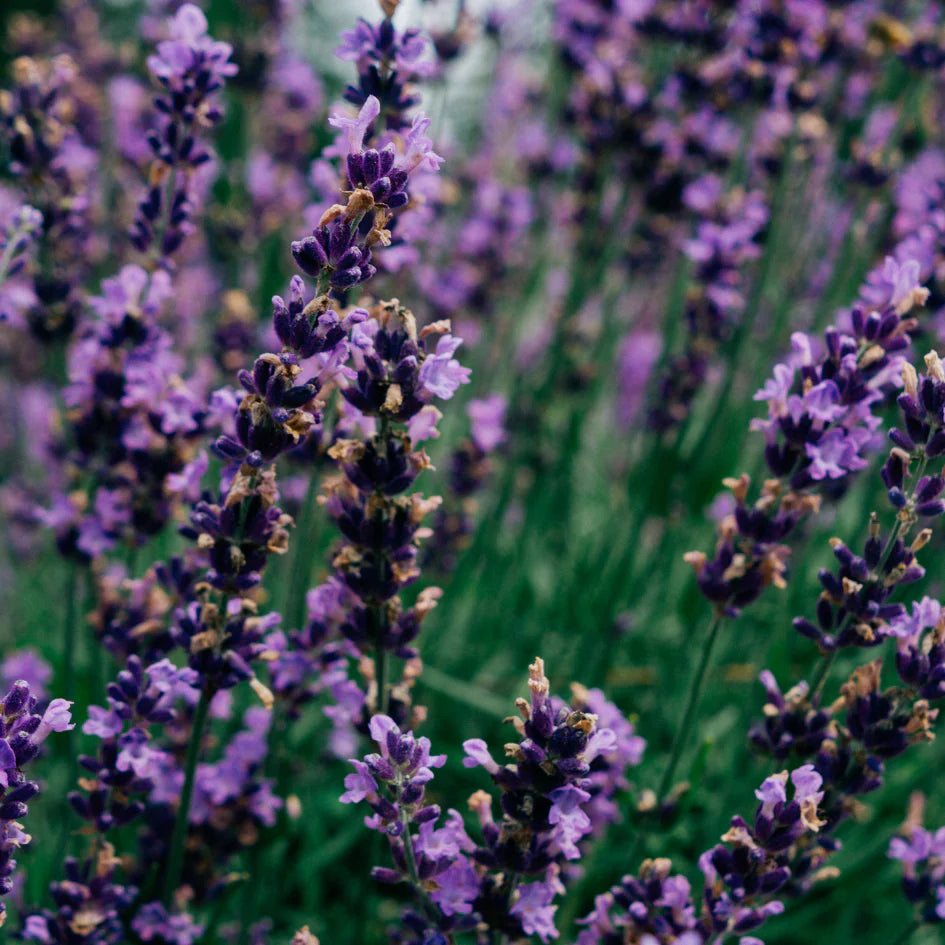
[(192, 67), (398, 372), (22, 733), (387, 61), (850, 741), (820, 423), (557, 792), (126, 772), (922, 854), (133, 423), (855, 607), (741, 875), (726, 238)]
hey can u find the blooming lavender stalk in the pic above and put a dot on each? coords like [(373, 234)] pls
[(388, 63), (742, 875), (851, 740), (556, 794), (814, 435), (22, 732), (855, 607), (134, 424), (820, 424), (49, 161), (192, 67), (922, 854), (121, 776), (471, 466), (726, 238), (399, 372)]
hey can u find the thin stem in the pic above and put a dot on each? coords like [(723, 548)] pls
[(692, 705), (73, 580), (175, 858), (823, 671), (689, 714)]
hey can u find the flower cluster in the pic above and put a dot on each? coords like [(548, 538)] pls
[(192, 67), (388, 62), (556, 793), (399, 371), (22, 733), (922, 854), (726, 238), (133, 423), (741, 874), (820, 423)]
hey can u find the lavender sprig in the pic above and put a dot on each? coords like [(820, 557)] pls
[(22, 732), (192, 67), (742, 875), (557, 793)]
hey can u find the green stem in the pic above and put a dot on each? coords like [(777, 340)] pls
[(692, 705), (73, 581), (823, 671), (175, 859), (689, 714)]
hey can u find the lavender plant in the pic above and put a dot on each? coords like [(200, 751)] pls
[(313, 432)]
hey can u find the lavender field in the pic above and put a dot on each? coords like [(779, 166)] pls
[(471, 472)]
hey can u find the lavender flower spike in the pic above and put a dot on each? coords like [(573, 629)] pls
[(21, 734)]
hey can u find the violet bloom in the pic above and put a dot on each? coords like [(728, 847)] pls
[(28, 665), (820, 425), (393, 781), (388, 62), (856, 608), (193, 68), (922, 853), (742, 875), (154, 923), (134, 422), (487, 420), (22, 732)]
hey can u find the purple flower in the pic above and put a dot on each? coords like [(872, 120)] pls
[(457, 888), (355, 128), (154, 922), (440, 373), (478, 755), (359, 785), (56, 718), (28, 665), (534, 908), (420, 154), (190, 48), (569, 820), (487, 417), (835, 455)]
